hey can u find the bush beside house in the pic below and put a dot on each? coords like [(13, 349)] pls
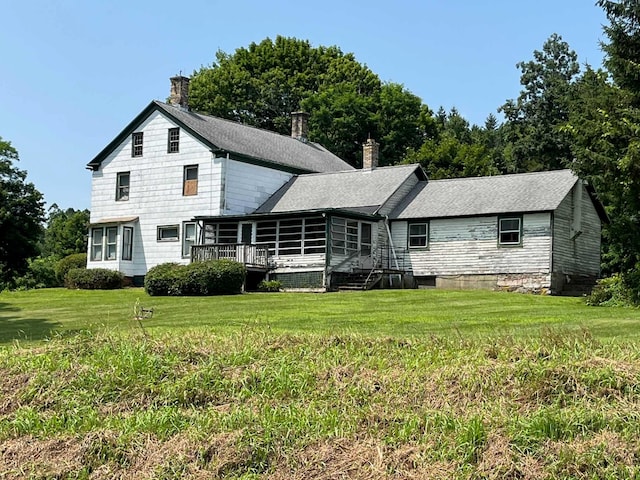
[(215, 277), (93, 279)]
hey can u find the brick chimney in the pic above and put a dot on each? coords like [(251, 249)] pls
[(179, 96), (370, 154), (300, 125)]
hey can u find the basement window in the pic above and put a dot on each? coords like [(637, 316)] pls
[(173, 145), (136, 144), (510, 231)]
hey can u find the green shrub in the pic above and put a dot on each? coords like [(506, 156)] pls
[(610, 291), (40, 274), (93, 279), (215, 277), (270, 286), (160, 279), (75, 260)]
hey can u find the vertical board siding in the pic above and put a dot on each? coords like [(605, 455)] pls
[(581, 255), (469, 246)]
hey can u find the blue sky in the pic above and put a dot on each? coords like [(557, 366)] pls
[(74, 73)]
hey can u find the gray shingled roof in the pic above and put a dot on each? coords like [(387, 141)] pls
[(526, 192), (362, 191), (257, 143)]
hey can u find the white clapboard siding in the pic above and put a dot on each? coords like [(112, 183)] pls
[(156, 191), (248, 186), (298, 263), (580, 255), (469, 246)]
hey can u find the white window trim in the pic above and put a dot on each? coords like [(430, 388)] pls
[(186, 239)]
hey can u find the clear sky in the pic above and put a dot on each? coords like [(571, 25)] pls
[(76, 72)]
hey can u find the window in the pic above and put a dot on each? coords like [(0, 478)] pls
[(418, 235), (188, 237), (168, 233), (173, 145), (96, 244), (190, 186), (104, 243), (510, 231), (112, 240), (122, 186), (136, 144), (127, 243)]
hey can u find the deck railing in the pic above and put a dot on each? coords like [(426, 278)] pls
[(250, 255)]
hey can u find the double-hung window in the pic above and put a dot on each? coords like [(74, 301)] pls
[(173, 140), (418, 235), (122, 186), (136, 144), (104, 243), (510, 231)]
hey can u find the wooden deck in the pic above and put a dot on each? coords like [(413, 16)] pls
[(253, 256)]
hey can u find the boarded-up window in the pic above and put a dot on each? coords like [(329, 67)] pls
[(190, 186)]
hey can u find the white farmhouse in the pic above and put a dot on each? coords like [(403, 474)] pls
[(177, 186)]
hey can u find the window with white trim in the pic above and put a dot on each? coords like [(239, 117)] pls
[(418, 235), (136, 144), (122, 186), (127, 243), (510, 231), (168, 233), (188, 237)]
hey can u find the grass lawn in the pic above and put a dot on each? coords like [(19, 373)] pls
[(35, 315), (413, 384)]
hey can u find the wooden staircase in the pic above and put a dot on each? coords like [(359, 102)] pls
[(359, 280)]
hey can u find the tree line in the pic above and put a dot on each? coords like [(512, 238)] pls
[(566, 116)]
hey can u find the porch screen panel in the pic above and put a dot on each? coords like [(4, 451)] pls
[(338, 235), (227, 233), (290, 237), (365, 238), (314, 235), (266, 232), (352, 235)]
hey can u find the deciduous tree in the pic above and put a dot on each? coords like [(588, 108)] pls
[(21, 216)]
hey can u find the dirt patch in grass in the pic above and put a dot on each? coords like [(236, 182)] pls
[(11, 385), (28, 457), (500, 461), (368, 459)]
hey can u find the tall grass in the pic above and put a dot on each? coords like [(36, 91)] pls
[(258, 404)]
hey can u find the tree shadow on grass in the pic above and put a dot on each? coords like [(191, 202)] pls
[(12, 327)]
